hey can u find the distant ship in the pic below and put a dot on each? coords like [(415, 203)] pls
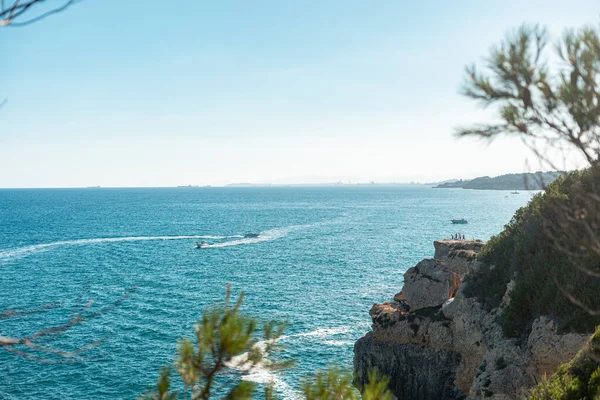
[(251, 235), (515, 192), (459, 221)]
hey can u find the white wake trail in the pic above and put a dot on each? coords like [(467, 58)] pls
[(266, 236), (27, 250)]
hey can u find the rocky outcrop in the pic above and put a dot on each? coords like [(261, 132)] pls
[(448, 346), (430, 283), (459, 255), (546, 350)]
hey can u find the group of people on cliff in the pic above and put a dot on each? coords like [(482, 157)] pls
[(458, 236)]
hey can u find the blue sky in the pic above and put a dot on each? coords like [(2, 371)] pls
[(131, 93)]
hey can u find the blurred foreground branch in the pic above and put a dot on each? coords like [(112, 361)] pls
[(226, 350), (21, 13), (35, 346)]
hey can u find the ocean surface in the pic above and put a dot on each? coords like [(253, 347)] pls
[(324, 256)]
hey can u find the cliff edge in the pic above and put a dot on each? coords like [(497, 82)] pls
[(435, 343)]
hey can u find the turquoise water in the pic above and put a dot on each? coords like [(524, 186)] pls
[(323, 257)]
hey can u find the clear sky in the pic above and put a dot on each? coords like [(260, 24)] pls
[(157, 93)]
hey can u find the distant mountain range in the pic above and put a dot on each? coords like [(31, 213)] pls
[(524, 181)]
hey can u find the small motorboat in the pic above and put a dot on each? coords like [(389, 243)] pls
[(202, 245), (515, 192), (251, 235), (459, 221)]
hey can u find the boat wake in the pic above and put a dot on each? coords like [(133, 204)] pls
[(232, 240), (25, 251), (266, 236)]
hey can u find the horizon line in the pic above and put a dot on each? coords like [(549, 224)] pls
[(229, 185), (345, 182)]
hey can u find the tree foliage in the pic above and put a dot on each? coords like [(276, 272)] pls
[(226, 349), (556, 104), (551, 100)]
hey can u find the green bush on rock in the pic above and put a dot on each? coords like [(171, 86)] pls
[(526, 250), (578, 379)]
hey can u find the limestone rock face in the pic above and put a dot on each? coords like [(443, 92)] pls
[(549, 350), (416, 372), (458, 254), (467, 328), (449, 346), (392, 325), (429, 284)]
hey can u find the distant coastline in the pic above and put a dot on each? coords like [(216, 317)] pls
[(329, 184), (515, 181), (523, 181)]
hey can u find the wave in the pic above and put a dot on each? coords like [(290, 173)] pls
[(339, 342), (321, 332), (262, 374), (27, 250)]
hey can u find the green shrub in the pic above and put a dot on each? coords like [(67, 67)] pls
[(526, 250), (578, 379)]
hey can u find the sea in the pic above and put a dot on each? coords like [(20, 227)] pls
[(323, 257)]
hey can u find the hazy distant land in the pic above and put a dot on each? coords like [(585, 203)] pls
[(523, 181)]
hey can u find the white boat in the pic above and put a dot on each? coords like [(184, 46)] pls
[(251, 235), (202, 245)]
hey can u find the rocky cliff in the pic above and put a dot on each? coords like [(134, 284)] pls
[(447, 346)]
